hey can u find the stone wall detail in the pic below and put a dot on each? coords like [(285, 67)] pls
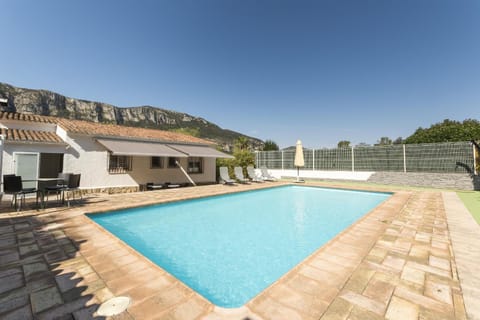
[(461, 181)]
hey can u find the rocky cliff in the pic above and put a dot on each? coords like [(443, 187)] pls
[(49, 103)]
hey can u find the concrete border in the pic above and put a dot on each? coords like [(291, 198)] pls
[(465, 238)]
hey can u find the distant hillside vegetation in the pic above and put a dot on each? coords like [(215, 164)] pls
[(49, 103)]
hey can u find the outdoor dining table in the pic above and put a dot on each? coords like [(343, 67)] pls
[(41, 191)]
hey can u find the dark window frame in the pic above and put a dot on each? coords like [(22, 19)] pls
[(159, 166), (119, 164), (193, 160), (172, 162)]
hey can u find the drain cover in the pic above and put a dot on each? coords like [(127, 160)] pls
[(113, 306)]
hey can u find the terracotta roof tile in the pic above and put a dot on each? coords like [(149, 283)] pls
[(19, 135), (26, 117), (105, 130)]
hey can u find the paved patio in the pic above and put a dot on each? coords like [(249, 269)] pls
[(413, 257)]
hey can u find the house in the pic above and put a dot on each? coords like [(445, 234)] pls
[(109, 157)]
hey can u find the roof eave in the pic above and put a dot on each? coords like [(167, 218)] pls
[(37, 142)]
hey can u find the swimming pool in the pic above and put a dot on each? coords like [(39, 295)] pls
[(230, 248)]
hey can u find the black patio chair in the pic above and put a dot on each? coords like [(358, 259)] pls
[(12, 184), (72, 186), (58, 188)]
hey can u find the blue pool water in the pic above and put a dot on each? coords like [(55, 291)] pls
[(230, 248)]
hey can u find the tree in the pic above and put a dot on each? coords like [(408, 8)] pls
[(384, 141), (242, 143), (447, 131), (399, 140), (270, 145), (343, 144), (243, 157)]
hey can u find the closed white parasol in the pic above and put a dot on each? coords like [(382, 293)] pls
[(299, 161)]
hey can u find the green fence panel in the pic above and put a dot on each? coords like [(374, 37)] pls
[(451, 157), (446, 157), (333, 159), (380, 158), (269, 159)]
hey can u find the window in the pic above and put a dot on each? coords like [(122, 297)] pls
[(195, 165), (156, 163), (172, 162), (119, 164)]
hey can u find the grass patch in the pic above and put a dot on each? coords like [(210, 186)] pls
[(472, 202)]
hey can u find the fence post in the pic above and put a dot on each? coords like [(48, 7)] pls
[(474, 161), (282, 160), (353, 161), (313, 159), (404, 160)]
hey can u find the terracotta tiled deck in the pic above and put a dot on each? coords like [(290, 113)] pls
[(401, 261)]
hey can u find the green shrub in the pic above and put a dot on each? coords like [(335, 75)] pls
[(243, 158)]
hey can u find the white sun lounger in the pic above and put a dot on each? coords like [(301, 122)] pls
[(239, 175), (225, 177), (267, 176), (252, 175)]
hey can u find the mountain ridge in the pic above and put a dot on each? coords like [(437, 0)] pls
[(50, 103)]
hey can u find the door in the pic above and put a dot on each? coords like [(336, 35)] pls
[(26, 166)]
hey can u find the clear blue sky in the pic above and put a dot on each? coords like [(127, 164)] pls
[(320, 71)]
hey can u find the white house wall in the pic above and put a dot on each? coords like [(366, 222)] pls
[(143, 173), (8, 165), (88, 157)]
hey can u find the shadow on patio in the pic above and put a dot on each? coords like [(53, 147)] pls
[(42, 275)]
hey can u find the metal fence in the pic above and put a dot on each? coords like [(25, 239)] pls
[(453, 157)]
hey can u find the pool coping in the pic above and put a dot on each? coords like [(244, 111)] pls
[(246, 310), (464, 233)]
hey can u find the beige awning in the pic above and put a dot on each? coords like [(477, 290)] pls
[(200, 151), (140, 148)]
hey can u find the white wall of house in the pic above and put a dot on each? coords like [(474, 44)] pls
[(8, 165), (317, 174), (88, 157), (143, 173)]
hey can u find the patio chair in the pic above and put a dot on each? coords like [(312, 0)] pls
[(62, 183), (73, 185), (239, 175), (225, 177), (12, 184), (252, 175), (267, 176)]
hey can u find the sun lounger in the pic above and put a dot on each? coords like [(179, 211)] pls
[(172, 185), (154, 186), (225, 177), (252, 175), (157, 186), (239, 175), (267, 176)]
